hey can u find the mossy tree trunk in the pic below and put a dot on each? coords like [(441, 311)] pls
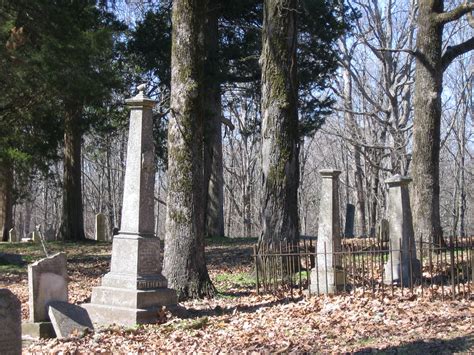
[(184, 260), (280, 140), (6, 198), (213, 167), (430, 65), (72, 221)]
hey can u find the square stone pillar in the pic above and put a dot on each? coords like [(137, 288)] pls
[(134, 290), (402, 266), (328, 276)]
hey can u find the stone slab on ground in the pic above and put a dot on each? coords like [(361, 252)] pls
[(47, 282), (10, 318), (69, 319)]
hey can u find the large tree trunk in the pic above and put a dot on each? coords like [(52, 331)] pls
[(213, 168), (427, 124), (184, 259), (358, 171), (280, 149), (72, 222), (6, 198)]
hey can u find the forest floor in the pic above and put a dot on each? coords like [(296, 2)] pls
[(240, 320)]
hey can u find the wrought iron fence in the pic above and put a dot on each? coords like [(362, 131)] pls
[(364, 267)]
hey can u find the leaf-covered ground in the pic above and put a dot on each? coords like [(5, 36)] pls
[(240, 320)]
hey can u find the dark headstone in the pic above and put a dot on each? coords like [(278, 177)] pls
[(349, 228), (10, 318)]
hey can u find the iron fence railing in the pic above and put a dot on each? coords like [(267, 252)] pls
[(363, 266)]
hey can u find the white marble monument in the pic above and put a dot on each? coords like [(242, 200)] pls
[(134, 290)]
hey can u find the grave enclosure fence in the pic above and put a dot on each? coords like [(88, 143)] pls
[(447, 272)]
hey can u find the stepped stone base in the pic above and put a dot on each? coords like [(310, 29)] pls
[(128, 307)]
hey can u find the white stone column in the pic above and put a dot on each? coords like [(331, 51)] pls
[(402, 266), (327, 276), (134, 289)]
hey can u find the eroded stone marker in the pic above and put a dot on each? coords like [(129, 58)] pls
[(10, 318), (68, 319), (402, 267), (100, 227), (134, 290), (47, 282), (328, 276)]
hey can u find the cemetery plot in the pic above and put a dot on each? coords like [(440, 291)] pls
[(239, 319)]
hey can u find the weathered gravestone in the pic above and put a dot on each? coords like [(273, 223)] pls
[(383, 235), (402, 267), (69, 319), (134, 290), (13, 236), (100, 227), (350, 214), (47, 282), (328, 276), (10, 323)]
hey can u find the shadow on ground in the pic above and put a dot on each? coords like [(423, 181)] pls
[(462, 344)]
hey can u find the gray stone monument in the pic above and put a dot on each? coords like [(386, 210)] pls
[(134, 290), (12, 236), (47, 282), (10, 317), (100, 227), (349, 227), (402, 266), (328, 276)]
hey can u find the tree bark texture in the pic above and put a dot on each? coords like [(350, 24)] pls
[(213, 166), (280, 148), (72, 223), (358, 171), (6, 198), (427, 123), (184, 259)]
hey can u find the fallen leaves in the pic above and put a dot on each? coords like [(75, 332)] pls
[(244, 321)]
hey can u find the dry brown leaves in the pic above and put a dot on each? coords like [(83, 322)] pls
[(277, 323)]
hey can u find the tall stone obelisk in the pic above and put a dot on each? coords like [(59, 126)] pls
[(134, 289), (402, 267), (328, 277)]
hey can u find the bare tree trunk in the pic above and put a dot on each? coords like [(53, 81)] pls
[(430, 65), (213, 168), (6, 198), (358, 172), (280, 149), (72, 222), (427, 125), (184, 260)]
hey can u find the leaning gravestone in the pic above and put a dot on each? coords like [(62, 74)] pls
[(135, 290), (328, 277), (402, 267), (100, 227), (10, 319), (68, 319), (47, 282)]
